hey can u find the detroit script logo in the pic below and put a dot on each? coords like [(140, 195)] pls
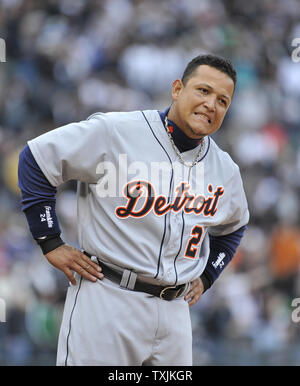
[(183, 200)]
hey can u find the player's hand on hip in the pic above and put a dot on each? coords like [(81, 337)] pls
[(195, 291), (68, 259)]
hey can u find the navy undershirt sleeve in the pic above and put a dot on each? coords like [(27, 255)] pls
[(222, 250), (38, 197)]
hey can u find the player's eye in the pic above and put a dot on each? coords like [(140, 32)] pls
[(223, 102), (202, 90)]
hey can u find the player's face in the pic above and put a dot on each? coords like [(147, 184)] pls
[(201, 104)]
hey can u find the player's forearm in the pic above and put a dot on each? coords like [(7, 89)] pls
[(38, 202), (222, 250)]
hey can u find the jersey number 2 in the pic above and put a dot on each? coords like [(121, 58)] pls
[(194, 241)]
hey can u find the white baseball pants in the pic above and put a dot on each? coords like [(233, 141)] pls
[(105, 325)]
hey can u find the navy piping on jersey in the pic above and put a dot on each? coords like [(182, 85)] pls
[(70, 322), (208, 146), (169, 195), (181, 239), (165, 228)]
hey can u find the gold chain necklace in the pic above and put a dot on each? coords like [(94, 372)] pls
[(188, 164)]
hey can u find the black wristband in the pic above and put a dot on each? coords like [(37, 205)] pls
[(207, 283), (50, 243)]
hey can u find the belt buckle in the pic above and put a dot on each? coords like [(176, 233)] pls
[(161, 295)]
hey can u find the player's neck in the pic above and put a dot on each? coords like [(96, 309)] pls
[(181, 140), (174, 117)]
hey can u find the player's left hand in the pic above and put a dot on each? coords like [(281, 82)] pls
[(195, 292)]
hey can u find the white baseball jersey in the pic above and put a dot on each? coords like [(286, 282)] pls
[(138, 207)]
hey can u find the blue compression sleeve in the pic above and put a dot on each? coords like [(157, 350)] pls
[(222, 250), (38, 197)]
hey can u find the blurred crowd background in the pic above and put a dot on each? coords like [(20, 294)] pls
[(66, 59)]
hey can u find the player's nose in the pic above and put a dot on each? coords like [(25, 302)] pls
[(210, 103)]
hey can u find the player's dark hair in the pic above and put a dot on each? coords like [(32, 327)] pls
[(218, 62)]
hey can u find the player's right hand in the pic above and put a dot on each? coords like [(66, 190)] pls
[(68, 259)]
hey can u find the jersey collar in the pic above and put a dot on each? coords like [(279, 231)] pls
[(181, 140)]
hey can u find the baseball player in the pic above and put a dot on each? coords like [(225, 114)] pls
[(161, 212)]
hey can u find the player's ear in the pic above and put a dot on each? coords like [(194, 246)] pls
[(177, 87)]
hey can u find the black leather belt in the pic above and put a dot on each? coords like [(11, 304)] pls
[(166, 293)]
